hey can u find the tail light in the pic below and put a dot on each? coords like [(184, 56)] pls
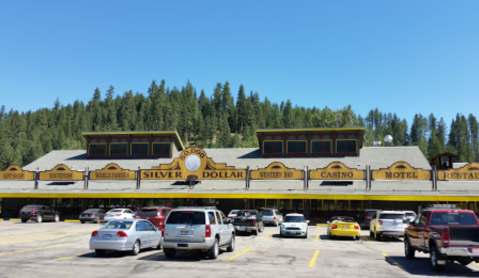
[(254, 222), (163, 233), (118, 214), (33, 211), (356, 227), (367, 216), (121, 234), (92, 215), (208, 231), (230, 216), (445, 237), (94, 233), (334, 227), (380, 222), (274, 218)]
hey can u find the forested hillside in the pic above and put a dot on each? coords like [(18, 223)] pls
[(219, 121)]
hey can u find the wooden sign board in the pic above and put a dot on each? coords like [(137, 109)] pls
[(276, 171), (192, 165), (401, 171), (61, 172), (469, 172), (112, 171), (336, 171), (15, 173)]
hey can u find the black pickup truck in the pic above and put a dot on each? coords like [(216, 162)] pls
[(248, 221), (446, 233)]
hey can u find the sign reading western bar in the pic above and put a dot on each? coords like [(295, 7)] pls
[(191, 165), (15, 173), (401, 171), (112, 172), (467, 173), (276, 171), (336, 171), (61, 172)]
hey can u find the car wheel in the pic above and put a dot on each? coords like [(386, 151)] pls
[(231, 246), (170, 253), (39, 218), (356, 238), (57, 217), (255, 231), (377, 236), (408, 249), (214, 250), (24, 220), (276, 224), (81, 221), (159, 245), (306, 235), (136, 248), (261, 228), (99, 252), (433, 256)]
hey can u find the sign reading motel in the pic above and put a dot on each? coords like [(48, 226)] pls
[(401, 171)]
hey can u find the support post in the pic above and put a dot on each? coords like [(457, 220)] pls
[(138, 174), (434, 178), (85, 178), (37, 176), (306, 178), (248, 177)]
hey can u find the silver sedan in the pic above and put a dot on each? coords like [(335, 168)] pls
[(125, 235)]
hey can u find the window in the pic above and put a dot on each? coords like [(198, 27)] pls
[(220, 220), (118, 147), (273, 147), (329, 205), (118, 225), (346, 146), (97, 147), (296, 146), (225, 219), (161, 149), (321, 146), (186, 217), (140, 226), (140, 148), (211, 216)]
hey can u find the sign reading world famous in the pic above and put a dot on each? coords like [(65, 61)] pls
[(191, 165), (15, 173), (336, 171), (61, 172), (112, 172), (401, 171), (469, 172)]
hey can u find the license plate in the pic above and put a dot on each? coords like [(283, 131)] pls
[(106, 236), (475, 250), (184, 233), (346, 227), (242, 228)]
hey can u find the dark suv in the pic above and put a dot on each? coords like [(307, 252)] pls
[(155, 215), (364, 218), (39, 213)]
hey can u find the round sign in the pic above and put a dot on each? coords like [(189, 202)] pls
[(193, 162)]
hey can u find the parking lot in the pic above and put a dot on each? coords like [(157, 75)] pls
[(62, 250)]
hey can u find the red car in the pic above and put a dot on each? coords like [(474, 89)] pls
[(155, 215)]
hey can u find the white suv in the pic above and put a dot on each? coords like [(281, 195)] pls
[(198, 228), (388, 223)]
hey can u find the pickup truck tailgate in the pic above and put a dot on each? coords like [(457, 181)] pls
[(465, 236)]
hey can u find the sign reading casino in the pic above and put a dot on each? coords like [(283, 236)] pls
[(336, 171), (191, 165)]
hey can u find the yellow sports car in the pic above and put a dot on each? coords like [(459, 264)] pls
[(343, 226)]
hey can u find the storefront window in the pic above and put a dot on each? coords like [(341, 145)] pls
[(139, 147), (297, 204), (316, 204), (273, 147), (329, 205), (321, 146), (118, 147), (342, 205), (285, 204), (356, 206), (97, 147), (162, 149), (115, 203), (259, 203)]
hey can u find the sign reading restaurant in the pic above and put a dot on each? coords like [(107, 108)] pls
[(15, 173), (401, 171), (336, 171), (112, 172), (61, 172), (466, 173), (276, 171), (193, 164)]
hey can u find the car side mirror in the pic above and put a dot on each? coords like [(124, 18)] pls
[(328, 222), (307, 221)]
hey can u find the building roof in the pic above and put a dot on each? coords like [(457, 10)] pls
[(178, 142)]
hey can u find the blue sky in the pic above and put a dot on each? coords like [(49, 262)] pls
[(402, 57)]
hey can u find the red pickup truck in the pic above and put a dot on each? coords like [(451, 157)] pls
[(446, 233)]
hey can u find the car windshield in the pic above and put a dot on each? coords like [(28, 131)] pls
[(410, 214), (453, 218), (234, 212), (115, 211), (342, 219), (28, 207), (118, 225), (91, 211), (392, 216), (267, 213), (186, 217), (296, 218), (370, 213), (148, 213)]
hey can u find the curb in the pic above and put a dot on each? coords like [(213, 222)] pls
[(10, 219)]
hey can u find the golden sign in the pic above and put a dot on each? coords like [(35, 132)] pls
[(401, 171), (336, 171), (193, 164), (15, 173), (112, 172), (276, 171), (467, 173), (61, 172)]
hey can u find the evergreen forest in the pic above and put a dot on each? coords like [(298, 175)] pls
[(218, 121)]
